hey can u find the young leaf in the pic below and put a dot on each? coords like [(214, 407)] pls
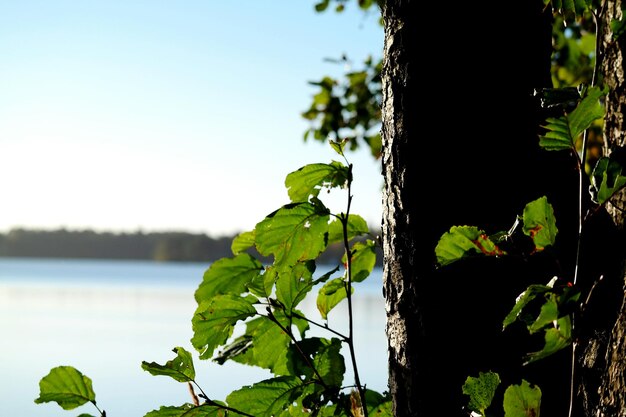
[(522, 400), (242, 241), (189, 410), (295, 232), (214, 321), (548, 314), (481, 390), (330, 295), (539, 223), (66, 386), (563, 131), (522, 301), (556, 339), (228, 276), (266, 398), (310, 179), (463, 241), (180, 368), (608, 177)]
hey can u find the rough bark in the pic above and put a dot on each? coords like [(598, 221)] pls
[(455, 129), (611, 394)]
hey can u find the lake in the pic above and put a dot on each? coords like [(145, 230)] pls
[(106, 317)]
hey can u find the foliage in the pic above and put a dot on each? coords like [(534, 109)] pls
[(262, 300)]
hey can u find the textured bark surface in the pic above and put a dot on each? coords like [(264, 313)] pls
[(455, 129), (612, 386)]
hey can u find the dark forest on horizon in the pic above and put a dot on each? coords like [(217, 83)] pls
[(156, 246)]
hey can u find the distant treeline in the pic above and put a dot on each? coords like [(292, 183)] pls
[(157, 246)]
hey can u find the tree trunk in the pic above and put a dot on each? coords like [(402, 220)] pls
[(460, 146), (609, 352)]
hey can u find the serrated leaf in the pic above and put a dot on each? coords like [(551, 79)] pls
[(228, 276), (293, 233), (463, 241), (539, 223), (180, 368), (608, 178), (242, 242), (563, 131), (214, 321), (189, 410), (555, 339), (66, 386), (309, 180), (331, 294), (266, 398), (522, 400), (481, 390)]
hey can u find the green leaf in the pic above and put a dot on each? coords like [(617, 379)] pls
[(228, 276), (618, 27), (522, 301), (481, 390), (322, 5), (563, 131), (189, 410), (463, 241), (607, 178), (363, 260), (309, 180), (180, 368), (356, 226), (242, 242), (293, 233), (548, 314), (522, 400), (294, 284), (266, 398), (325, 355), (539, 223), (556, 339), (331, 294), (214, 320), (66, 386)]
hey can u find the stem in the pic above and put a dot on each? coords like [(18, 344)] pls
[(348, 284), (214, 404), (322, 326)]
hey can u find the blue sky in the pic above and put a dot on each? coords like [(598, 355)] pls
[(167, 115)]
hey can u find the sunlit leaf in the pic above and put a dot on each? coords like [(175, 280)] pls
[(266, 398), (549, 313), (293, 233), (522, 400), (463, 241), (214, 320), (180, 368), (293, 284), (523, 300), (228, 276), (356, 226), (189, 410), (242, 242), (66, 386), (608, 178), (309, 180), (481, 390), (363, 260), (556, 339), (331, 294), (539, 223)]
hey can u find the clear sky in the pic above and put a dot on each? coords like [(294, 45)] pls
[(167, 115)]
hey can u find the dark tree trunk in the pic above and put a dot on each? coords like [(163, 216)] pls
[(460, 146), (603, 355)]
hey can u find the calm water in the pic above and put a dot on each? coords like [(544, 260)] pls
[(105, 317)]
